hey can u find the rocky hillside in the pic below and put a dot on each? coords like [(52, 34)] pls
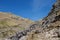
[(11, 24), (46, 29)]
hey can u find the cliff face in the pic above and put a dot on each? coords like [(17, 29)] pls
[(45, 29)]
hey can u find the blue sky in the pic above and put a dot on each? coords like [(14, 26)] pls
[(31, 9)]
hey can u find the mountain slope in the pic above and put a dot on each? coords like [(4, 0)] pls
[(45, 29), (49, 28), (11, 24)]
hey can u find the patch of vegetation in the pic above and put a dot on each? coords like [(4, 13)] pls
[(21, 28), (6, 23), (3, 24), (7, 33)]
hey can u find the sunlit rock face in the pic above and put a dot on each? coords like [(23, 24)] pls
[(46, 29)]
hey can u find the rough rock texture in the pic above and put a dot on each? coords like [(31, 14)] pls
[(45, 29)]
